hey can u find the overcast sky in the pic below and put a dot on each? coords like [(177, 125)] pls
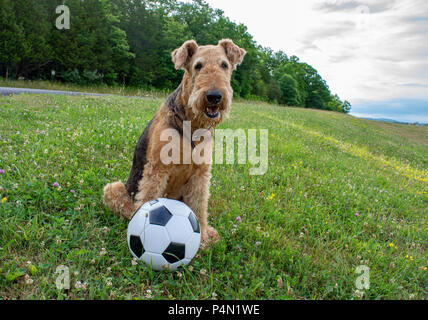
[(373, 53)]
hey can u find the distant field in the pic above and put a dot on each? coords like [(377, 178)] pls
[(103, 89), (340, 192)]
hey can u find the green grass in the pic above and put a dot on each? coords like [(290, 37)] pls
[(103, 88), (299, 237)]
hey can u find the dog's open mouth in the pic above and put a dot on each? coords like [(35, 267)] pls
[(212, 112)]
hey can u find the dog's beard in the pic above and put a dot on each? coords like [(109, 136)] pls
[(196, 100)]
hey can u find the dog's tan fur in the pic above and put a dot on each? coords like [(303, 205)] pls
[(189, 183)]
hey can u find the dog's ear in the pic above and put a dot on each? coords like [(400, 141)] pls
[(234, 53), (182, 55)]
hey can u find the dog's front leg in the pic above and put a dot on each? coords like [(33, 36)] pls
[(152, 185), (196, 194)]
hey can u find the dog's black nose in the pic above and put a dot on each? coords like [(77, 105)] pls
[(214, 96)]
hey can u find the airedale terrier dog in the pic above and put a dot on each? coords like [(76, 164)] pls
[(204, 98)]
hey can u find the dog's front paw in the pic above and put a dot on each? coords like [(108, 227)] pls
[(209, 236)]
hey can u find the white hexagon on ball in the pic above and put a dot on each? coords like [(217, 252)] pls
[(155, 239), (179, 208), (192, 246), (137, 221), (179, 229), (155, 261)]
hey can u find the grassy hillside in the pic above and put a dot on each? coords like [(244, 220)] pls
[(103, 89), (339, 192)]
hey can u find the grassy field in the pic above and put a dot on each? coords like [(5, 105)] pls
[(103, 89), (340, 192)]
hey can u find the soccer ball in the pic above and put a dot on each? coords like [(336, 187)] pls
[(164, 234)]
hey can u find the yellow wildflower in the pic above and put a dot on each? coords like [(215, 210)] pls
[(272, 196), (391, 245), (3, 200)]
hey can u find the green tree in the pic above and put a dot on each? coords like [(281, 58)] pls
[(12, 40), (318, 93), (288, 86), (347, 106), (143, 27), (274, 93), (31, 16)]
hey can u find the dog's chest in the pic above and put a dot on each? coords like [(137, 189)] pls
[(179, 176)]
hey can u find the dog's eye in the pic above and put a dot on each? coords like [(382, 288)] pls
[(224, 66), (199, 66)]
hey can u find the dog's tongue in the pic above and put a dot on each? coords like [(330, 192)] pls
[(212, 110)]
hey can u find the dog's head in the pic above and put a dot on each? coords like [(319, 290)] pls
[(206, 85)]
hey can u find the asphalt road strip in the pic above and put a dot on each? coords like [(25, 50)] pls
[(6, 91)]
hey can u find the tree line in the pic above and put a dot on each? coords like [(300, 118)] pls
[(129, 42)]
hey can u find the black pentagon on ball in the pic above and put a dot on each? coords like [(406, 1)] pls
[(160, 216), (194, 222), (136, 246), (175, 252)]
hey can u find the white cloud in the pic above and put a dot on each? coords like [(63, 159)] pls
[(368, 50)]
